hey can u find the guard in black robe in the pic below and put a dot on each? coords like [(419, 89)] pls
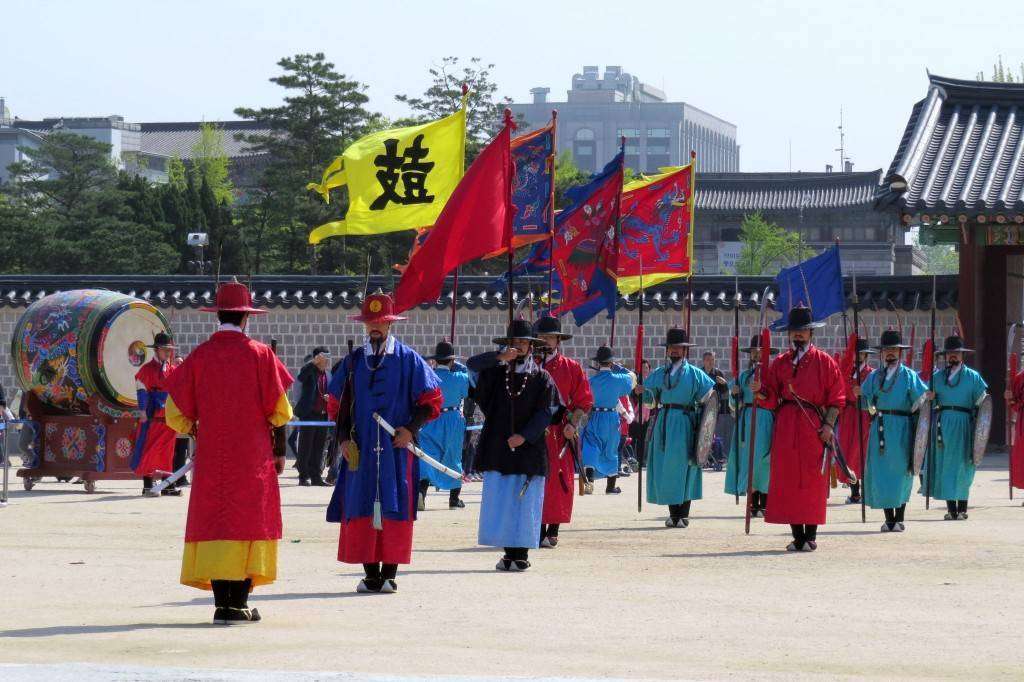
[(517, 399)]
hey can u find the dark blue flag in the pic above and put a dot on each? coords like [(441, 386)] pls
[(816, 283)]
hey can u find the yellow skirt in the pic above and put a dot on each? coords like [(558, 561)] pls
[(229, 560)]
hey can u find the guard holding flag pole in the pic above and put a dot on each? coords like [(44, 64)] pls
[(742, 399), (517, 399), (576, 400), (848, 431), (374, 497), (674, 477), (809, 389)]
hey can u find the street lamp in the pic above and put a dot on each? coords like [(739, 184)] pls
[(199, 240)]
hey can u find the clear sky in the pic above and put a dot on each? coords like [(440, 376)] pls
[(779, 70)]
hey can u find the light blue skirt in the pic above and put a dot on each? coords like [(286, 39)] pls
[(506, 519)]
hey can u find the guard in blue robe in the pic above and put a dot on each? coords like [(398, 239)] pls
[(602, 433), (374, 497), (679, 389), (741, 399), (893, 393), (442, 438), (958, 392)]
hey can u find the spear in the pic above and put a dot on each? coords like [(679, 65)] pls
[(928, 364), (860, 420), (766, 343)]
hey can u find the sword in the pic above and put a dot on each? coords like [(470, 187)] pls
[(415, 449), (170, 480)]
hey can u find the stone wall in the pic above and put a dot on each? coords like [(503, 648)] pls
[(299, 330)]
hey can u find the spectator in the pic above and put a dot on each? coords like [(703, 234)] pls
[(312, 406), (724, 425)]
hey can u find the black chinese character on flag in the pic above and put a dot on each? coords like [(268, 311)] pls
[(409, 168)]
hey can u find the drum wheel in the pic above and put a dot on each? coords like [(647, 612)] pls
[(90, 486), (28, 483)]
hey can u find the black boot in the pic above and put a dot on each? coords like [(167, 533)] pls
[(951, 511), (147, 484), (798, 537), (611, 488), (374, 581), (453, 499), (388, 573), (961, 510), (890, 520)]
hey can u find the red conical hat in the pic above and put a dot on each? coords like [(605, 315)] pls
[(233, 297)]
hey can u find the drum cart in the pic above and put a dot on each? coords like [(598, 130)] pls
[(95, 446)]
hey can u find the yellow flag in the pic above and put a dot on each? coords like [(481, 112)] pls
[(397, 179)]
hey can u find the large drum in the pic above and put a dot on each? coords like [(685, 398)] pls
[(75, 345)]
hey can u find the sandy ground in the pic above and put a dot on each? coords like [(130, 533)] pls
[(88, 586)]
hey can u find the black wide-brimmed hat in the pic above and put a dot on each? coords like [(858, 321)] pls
[(517, 329), (550, 325), (954, 344), (864, 347), (891, 338), (755, 345), (604, 354), (162, 340), (800, 318), (677, 336), (443, 352)]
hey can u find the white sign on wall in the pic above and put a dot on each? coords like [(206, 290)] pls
[(728, 254)]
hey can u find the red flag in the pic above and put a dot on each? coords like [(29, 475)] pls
[(849, 358), (735, 353), (475, 221), (927, 359)]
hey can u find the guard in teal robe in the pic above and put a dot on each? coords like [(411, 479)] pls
[(741, 400), (958, 392), (893, 393), (679, 388), (603, 431), (442, 438)]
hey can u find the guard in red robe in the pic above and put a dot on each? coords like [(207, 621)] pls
[(809, 388), (232, 392), (850, 442), (154, 441), (1015, 407), (375, 495), (576, 401)]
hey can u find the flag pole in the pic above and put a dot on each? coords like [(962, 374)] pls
[(1011, 374), (455, 301), (615, 268), (508, 233), (639, 357), (551, 212)]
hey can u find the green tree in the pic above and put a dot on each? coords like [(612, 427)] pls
[(62, 172), (484, 109), (1004, 74), (322, 113), (210, 163), (69, 211), (766, 245)]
